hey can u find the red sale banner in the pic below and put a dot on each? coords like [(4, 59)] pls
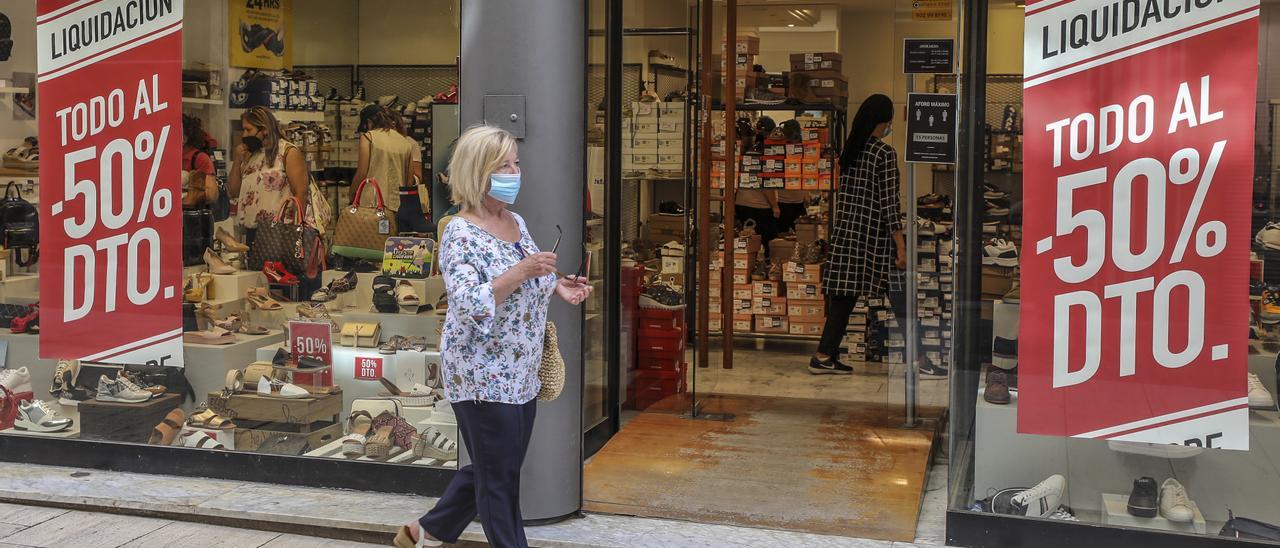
[(110, 135), (368, 369), (1139, 121)]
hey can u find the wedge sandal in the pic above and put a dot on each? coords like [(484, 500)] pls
[(353, 445), (208, 418), (164, 432), (433, 444), (379, 446)]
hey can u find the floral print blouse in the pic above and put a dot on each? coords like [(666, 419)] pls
[(490, 350), (263, 187)]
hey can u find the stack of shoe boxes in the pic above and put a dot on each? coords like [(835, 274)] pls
[(741, 263), (806, 310), (823, 70), (748, 47), (854, 344), (652, 137), (344, 115), (276, 91), (418, 124), (660, 368), (929, 294), (773, 170)]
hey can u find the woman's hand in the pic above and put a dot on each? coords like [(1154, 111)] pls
[(536, 266), (242, 153), (901, 261), (573, 289), (777, 211)]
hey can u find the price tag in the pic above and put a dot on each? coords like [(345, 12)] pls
[(311, 340), (368, 369)]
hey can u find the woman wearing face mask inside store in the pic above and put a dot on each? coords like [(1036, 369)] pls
[(499, 286), (868, 253), (266, 170)]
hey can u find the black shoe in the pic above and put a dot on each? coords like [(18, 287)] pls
[(929, 370), (1144, 500), (829, 367), (282, 357)]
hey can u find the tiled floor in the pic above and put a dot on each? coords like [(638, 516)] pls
[(196, 499), (34, 526)]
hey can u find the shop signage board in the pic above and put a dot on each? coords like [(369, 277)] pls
[(931, 128), (368, 368), (1138, 171), (312, 340), (261, 33), (932, 10), (110, 87), (928, 55)]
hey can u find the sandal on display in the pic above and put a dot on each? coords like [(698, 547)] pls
[(231, 323), (252, 329), (402, 432), (198, 287), (229, 242), (203, 417), (379, 445), (431, 443), (390, 386), (358, 425), (25, 156), (276, 274), (200, 440), (216, 264), (393, 345), (164, 432), (317, 313), (214, 335), (260, 298), (405, 295)]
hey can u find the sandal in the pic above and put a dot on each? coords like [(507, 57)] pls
[(402, 432), (390, 386), (216, 335), (208, 418), (379, 445), (200, 440), (198, 289), (208, 311), (164, 432), (252, 329), (353, 446), (276, 274), (260, 298), (231, 323), (229, 242), (433, 444)]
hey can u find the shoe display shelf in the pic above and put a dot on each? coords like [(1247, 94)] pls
[(1003, 458), (16, 288), (207, 364), (263, 419), (397, 455), (429, 291), (64, 411), (404, 368), (124, 422), (1116, 512)]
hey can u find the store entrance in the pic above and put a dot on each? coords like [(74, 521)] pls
[(729, 261)]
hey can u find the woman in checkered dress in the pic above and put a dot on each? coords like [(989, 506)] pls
[(867, 248)]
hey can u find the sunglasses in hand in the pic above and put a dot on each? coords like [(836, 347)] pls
[(582, 266)]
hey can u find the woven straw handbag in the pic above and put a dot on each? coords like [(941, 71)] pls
[(551, 370)]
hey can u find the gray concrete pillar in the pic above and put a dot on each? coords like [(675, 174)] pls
[(528, 57)]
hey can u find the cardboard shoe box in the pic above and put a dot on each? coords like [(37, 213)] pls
[(769, 306), (805, 327), (771, 324), (803, 273), (806, 309), (767, 289), (816, 61)]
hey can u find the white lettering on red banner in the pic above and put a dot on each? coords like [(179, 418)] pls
[(111, 149), (1139, 121), (368, 369)]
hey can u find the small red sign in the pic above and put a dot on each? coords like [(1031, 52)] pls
[(368, 369), (311, 340)]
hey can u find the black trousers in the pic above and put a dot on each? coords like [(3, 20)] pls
[(496, 436), (766, 224), (790, 212), (838, 309)]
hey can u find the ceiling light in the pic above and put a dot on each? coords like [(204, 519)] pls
[(792, 25)]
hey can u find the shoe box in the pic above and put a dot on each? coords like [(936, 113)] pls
[(822, 61), (648, 386), (278, 93), (661, 343), (802, 273)]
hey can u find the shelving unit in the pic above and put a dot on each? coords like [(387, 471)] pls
[(285, 116), (199, 101), (14, 90)]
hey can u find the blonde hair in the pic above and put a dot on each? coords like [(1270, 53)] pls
[(478, 153)]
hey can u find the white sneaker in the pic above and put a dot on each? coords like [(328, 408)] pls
[(1269, 236), (1174, 503), (1043, 499), (1000, 252), (1259, 396), (17, 380), (114, 391), (39, 417)]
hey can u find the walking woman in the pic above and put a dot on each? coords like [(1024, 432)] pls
[(498, 286), (867, 248), (386, 156)]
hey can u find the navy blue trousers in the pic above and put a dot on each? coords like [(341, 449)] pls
[(496, 436)]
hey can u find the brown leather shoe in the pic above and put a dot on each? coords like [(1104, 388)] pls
[(997, 390)]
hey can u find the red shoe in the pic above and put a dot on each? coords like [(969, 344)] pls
[(30, 323), (276, 273)]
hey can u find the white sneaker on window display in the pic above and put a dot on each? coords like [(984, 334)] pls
[(39, 417), (1042, 500), (1269, 237), (1175, 505), (1259, 396), (18, 381)]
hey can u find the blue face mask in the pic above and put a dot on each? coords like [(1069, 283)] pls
[(504, 187)]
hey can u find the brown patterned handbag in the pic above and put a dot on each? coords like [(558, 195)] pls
[(362, 230), (291, 242)]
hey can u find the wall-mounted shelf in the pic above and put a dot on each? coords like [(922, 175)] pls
[(14, 90), (18, 173), (287, 116), (198, 101)]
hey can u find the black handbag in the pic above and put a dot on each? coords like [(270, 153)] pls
[(197, 235), (295, 244), (1248, 529), (19, 226)]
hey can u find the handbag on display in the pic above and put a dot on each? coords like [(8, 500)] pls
[(360, 334), (320, 214), (551, 369), (406, 257), (256, 371), (19, 226), (197, 235), (294, 244), (8, 408), (362, 230)]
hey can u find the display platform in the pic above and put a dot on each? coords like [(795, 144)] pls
[(1245, 482)]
